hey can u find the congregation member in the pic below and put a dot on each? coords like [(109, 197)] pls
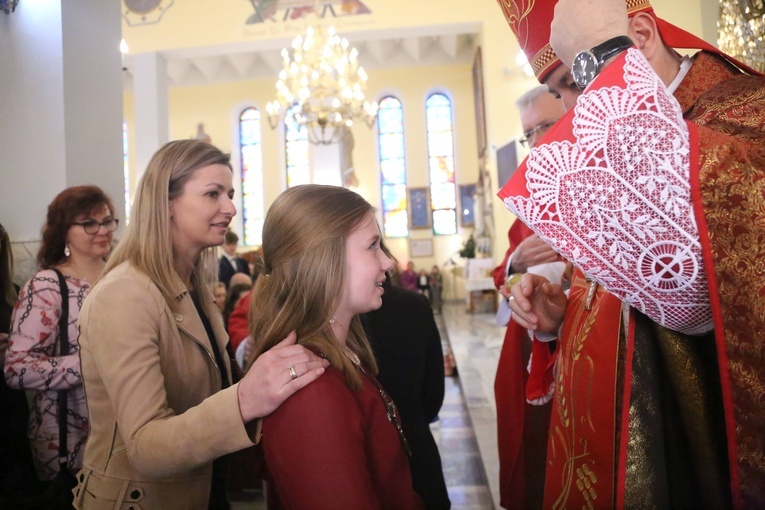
[(229, 263), (407, 347), (338, 443), (238, 326), (653, 184), (153, 349), (522, 426), (17, 473), (43, 352), (409, 277), (219, 292), (423, 283), (234, 295), (240, 279), (436, 289)]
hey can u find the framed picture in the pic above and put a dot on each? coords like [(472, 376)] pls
[(507, 162), (480, 108), (419, 203), (467, 205), (420, 247)]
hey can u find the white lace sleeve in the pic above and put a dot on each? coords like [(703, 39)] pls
[(617, 200)]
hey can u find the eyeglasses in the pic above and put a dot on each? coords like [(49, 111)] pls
[(540, 130), (91, 226)]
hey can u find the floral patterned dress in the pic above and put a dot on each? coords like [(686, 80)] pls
[(31, 365)]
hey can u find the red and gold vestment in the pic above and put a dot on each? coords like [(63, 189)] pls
[(660, 383)]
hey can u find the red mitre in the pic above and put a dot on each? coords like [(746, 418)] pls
[(530, 22)]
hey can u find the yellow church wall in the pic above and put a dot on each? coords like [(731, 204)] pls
[(211, 22), (218, 107)]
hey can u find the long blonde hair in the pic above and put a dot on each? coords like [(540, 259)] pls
[(147, 243), (304, 237)]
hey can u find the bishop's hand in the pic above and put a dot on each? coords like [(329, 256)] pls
[(537, 304)]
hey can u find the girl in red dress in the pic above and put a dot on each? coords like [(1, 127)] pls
[(337, 443)]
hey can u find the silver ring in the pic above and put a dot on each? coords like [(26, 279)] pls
[(510, 298), (293, 374)]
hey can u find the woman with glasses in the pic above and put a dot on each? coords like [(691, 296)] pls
[(337, 443), (76, 239)]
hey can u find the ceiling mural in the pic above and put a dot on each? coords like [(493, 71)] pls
[(290, 10), (144, 12), (253, 52)]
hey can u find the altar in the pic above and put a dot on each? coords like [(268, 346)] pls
[(479, 283)]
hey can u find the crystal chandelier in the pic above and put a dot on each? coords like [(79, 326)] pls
[(322, 86), (741, 31)]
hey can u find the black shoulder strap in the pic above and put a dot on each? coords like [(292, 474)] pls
[(63, 350)]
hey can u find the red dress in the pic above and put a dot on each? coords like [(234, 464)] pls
[(331, 447), (238, 328)]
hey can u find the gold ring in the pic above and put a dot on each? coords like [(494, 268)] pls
[(292, 372)]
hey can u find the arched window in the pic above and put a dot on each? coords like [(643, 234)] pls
[(443, 192), (296, 146), (252, 176), (390, 128)]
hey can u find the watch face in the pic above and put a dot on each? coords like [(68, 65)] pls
[(584, 68)]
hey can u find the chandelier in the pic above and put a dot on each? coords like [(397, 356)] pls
[(322, 87), (741, 31)]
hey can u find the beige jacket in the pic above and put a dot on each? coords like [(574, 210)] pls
[(157, 415)]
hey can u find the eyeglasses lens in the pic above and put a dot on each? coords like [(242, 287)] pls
[(91, 227)]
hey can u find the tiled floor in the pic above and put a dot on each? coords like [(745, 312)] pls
[(466, 431), (476, 342), (457, 442)]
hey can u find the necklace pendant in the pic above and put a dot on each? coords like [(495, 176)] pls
[(590, 294), (352, 356)]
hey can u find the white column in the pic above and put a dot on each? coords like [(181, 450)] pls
[(61, 108), (92, 84), (152, 129)]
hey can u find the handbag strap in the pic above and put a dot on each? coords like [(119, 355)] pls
[(63, 350)]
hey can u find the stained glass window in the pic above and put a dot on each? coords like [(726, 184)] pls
[(251, 153), (443, 191), (296, 143), (390, 128)]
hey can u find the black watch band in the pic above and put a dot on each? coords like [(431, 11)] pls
[(611, 47), (587, 64)]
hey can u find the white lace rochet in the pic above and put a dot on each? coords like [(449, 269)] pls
[(617, 203)]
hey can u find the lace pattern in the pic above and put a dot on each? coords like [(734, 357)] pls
[(617, 202)]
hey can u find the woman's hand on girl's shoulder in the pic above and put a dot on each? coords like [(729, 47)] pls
[(275, 376)]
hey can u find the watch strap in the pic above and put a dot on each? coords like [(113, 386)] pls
[(611, 47)]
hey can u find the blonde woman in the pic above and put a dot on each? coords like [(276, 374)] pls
[(153, 348), (337, 443)]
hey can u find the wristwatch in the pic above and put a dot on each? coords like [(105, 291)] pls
[(587, 64)]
